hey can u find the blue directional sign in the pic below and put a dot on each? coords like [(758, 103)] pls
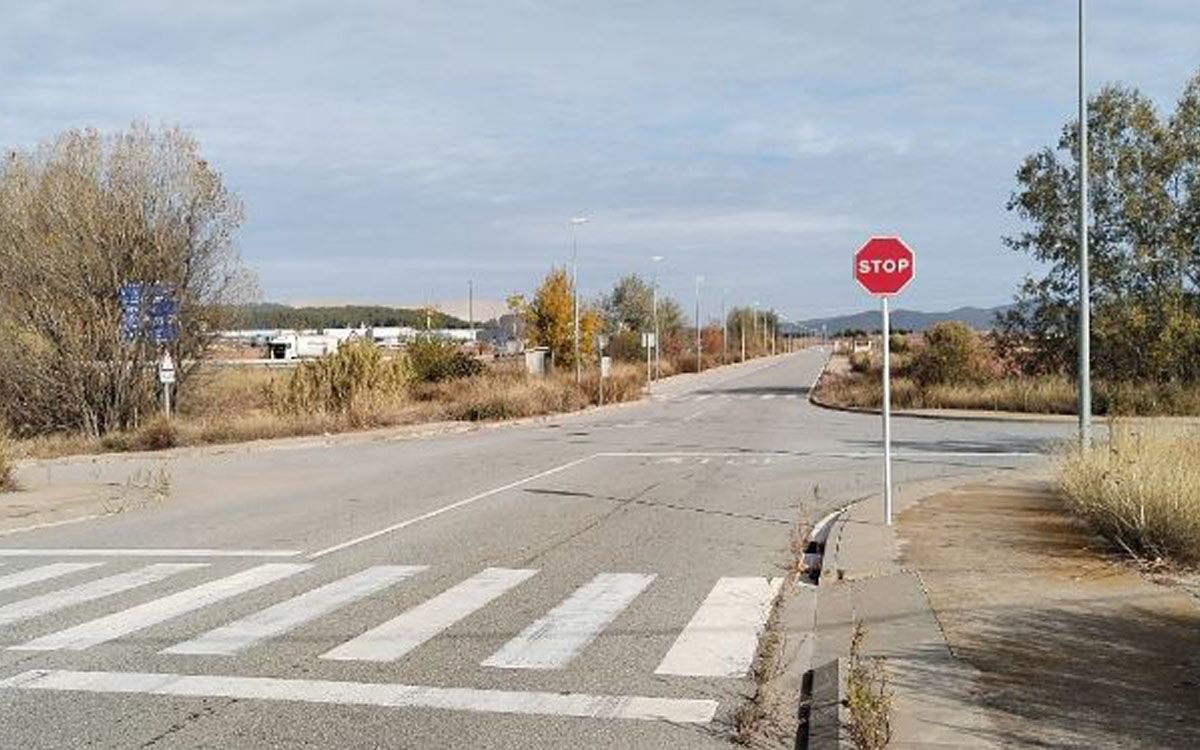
[(149, 310)]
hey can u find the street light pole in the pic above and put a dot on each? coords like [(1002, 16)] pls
[(657, 342), (1085, 346), (575, 223), (699, 362), (724, 329)]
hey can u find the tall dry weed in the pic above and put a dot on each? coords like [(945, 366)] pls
[(357, 383), (1141, 490)]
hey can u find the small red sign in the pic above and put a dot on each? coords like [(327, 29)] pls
[(884, 266)]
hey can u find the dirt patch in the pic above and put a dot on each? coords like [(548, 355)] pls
[(1075, 647)]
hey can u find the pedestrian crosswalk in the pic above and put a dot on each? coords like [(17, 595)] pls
[(718, 641)]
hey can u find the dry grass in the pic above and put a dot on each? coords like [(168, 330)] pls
[(868, 697), (8, 456), (1141, 491), (228, 404), (1034, 395)]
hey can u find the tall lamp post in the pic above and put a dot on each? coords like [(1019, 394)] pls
[(724, 328), (575, 224), (1085, 323), (699, 350), (654, 313)]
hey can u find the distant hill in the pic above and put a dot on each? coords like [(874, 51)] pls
[(979, 318)]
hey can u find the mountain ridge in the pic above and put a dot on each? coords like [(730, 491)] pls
[(979, 318)]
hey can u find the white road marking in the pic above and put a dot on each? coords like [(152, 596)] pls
[(41, 573), (55, 600), (447, 508), (145, 552), (289, 614), (399, 636), (791, 397), (554, 640), (581, 705), (154, 612), (703, 397), (51, 524), (722, 637), (768, 396)]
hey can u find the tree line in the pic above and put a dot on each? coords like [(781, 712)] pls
[(269, 315), (626, 312)]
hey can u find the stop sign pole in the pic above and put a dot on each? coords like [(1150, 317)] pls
[(884, 266)]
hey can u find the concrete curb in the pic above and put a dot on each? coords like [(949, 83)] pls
[(823, 711)]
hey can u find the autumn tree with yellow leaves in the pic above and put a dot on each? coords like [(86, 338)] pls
[(550, 320)]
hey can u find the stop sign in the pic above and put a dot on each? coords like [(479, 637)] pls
[(884, 265)]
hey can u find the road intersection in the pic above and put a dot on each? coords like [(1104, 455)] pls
[(598, 578)]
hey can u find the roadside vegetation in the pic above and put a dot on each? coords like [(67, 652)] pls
[(1145, 281), (88, 213), (1141, 491), (8, 454), (868, 696)]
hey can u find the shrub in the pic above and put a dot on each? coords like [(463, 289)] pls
[(860, 363), (354, 382), (155, 435), (900, 343), (435, 360), (952, 354)]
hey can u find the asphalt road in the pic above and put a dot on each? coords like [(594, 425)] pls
[(595, 580)]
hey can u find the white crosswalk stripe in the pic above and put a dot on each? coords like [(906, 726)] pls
[(41, 573), (55, 600), (279, 619), (719, 641), (160, 610), (386, 695), (721, 638), (397, 637), (554, 640)]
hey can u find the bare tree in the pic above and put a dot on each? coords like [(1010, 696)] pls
[(80, 217)]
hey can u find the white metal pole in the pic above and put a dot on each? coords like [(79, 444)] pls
[(656, 344), (699, 363), (575, 297), (724, 329), (887, 415), (1085, 301), (649, 379)]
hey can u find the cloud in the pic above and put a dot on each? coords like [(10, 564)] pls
[(443, 140)]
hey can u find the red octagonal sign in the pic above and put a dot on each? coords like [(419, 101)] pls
[(884, 266)]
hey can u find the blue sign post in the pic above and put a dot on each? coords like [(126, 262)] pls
[(149, 310)]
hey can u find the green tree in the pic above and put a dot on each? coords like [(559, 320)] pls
[(1144, 188), (630, 305)]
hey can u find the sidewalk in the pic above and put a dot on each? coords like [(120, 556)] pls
[(1005, 624)]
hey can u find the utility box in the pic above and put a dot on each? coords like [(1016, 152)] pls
[(537, 361)]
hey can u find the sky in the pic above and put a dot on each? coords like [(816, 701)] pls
[(390, 152)]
